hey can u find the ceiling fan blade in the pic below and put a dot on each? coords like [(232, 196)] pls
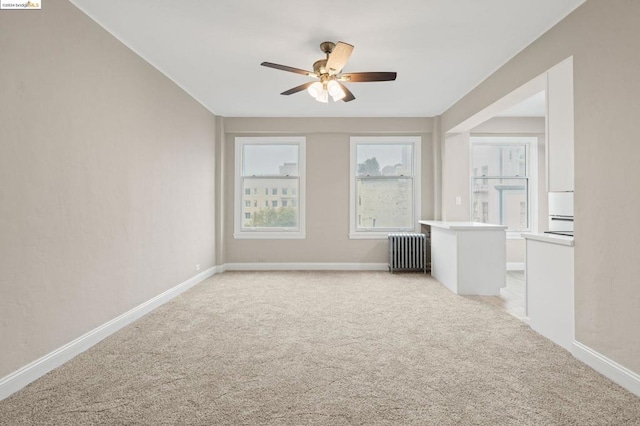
[(297, 88), (349, 96), (286, 68), (361, 77), (339, 57)]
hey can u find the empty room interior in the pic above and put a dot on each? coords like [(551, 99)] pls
[(319, 213)]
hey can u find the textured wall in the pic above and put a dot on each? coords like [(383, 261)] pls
[(603, 38), (327, 188), (106, 181)]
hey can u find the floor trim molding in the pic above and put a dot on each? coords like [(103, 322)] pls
[(38, 368), (607, 367), (218, 269), (263, 266)]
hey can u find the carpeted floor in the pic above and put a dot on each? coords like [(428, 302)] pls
[(326, 348)]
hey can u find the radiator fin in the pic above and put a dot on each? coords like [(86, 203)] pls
[(407, 252)]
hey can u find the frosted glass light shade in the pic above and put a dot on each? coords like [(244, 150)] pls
[(315, 89), (335, 90), (323, 96)]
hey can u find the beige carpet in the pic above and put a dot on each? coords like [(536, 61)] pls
[(329, 348)]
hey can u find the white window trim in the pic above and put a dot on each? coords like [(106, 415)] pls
[(275, 233), (416, 141), (531, 143)]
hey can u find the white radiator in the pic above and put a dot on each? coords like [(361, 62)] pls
[(407, 252)]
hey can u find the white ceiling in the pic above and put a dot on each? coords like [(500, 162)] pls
[(441, 49), (535, 106)]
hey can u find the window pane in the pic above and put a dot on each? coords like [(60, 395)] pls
[(384, 159), (501, 202), (499, 160), (265, 211), (270, 160), (384, 203)]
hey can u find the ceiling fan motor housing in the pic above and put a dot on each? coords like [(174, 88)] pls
[(320, 67)]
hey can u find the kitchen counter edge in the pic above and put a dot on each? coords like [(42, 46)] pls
[(474, 226)]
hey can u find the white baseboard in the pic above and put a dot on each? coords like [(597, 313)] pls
[(263, 266), (608, 368), (515, 266), (38, 368)]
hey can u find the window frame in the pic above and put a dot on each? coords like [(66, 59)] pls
[(416, 177), (531, 171), (276, 233)]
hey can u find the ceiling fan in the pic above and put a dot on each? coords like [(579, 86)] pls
[(329, 73)]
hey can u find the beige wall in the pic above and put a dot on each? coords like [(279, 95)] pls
[(603, 38), (106, 181), (455, 178), (327, 209)]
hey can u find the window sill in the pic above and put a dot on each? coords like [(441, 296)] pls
[(371, 235), (250, 235)]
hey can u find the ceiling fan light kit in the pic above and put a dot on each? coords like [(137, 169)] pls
[(321, 91), (329, 73)]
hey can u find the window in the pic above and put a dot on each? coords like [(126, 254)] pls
[(247, 203), (247, 191), (385, 185), (284, 191), (266, 164), (284, 203), (502, 193)]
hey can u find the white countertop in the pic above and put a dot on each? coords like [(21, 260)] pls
[(474, 226), (549, 238)]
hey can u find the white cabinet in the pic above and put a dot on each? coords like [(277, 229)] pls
[(467, 257), (550, 296), (560, 127)]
